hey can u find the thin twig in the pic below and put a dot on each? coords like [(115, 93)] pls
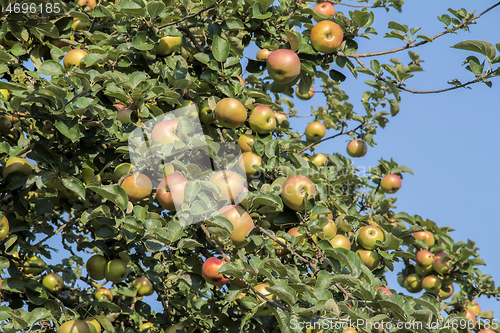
[(189, 16), (349, 5), (325, 139)]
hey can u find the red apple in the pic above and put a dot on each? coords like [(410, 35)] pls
[(426, 236), (231, 113), (170, 191), (474, 307), (325, 8), (242, 224), (295, 190), (137, 186), (425, 258), (384, 290), (262, 119), (209, 271), (315, 131), (357, 148), (103, 293), (89, 4), (229, 183), (306, 96), (164, 132), (326, 37), (283, 66), (369, 235), (390, 183), (296, 233)]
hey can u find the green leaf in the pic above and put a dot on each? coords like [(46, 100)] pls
[(284, 293), (51, 67), (187, 243), (268, 199), (155, 8), (397, 26), (114, 193), (323, 280), (106, 323), (191, 190), (221, 221), (38, 314), (220, 49), (70, 130), (485, 48), (394, 107), (75, 185)]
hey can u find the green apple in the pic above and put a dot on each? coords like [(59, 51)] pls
[(4, 227), (96, 267), (94, 325), (294, 191), (53, 282), (104, 293), (283, 66), (315, 131), (442, 263), (165, 132), (446, 292), (143, 286), (319, 159), (423, 270), (301, 238), (121, 170), (329, 228), (357, 148), (167, 45), (34, 266), (244, 141), (116, 270), (278, 249), (371, 259), (369, 235), (340, 241), (124, 114), (326, 37), (431, 284), (74, 326), (384, 290), (413, 283), (231, 113), (177, 328), (74, 58), (247, 161), (264, 309), (262, 54), (14, 164), (280, 118), (262, 119), (306, 96), (390, 183), (207, 115)]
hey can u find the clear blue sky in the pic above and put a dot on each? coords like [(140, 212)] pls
[(448, 139)]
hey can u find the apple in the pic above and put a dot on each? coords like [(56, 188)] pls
[(283, 66), (384, 290), (137, 186), (94, 325), (207, 115), (315, 131), (262, 119), (5, 124), (243, 142), (167, 45), (326, 37), (301, 238), (487, 330), (78, 25), (170, 191), (74, 326), (241, 80), (431, 284), (319, 159), (442, 263), (14, 164), (145, 326), (369, 235), (143, 286), (116, 270), (280, 118), (209, 271), (229, 183), (165, 132), (474, 307), (242, 198), (340, 241), (124, 114), (329, 228), (89, 4), (278, 249), (390, 183), (53, 282), (325, 8), (350, 330), (242, 224), (468, 314), (306, 96), (122, 169), (247, 161), (74, 58), (294, 191), (371, 259), (424, 258), (413, 283), (262, 54), (231, 113), (177, 328), (423, 270), (4, 227), (34, 266), (264, 309), (103, 293), (357, 148), (4, 94), (426, 236), (446, 292)]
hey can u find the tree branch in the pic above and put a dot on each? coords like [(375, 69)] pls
[(349, 5), (411, 45), (189, 16), (325, 139)]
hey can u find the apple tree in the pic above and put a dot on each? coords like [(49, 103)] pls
[(272, 237)]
